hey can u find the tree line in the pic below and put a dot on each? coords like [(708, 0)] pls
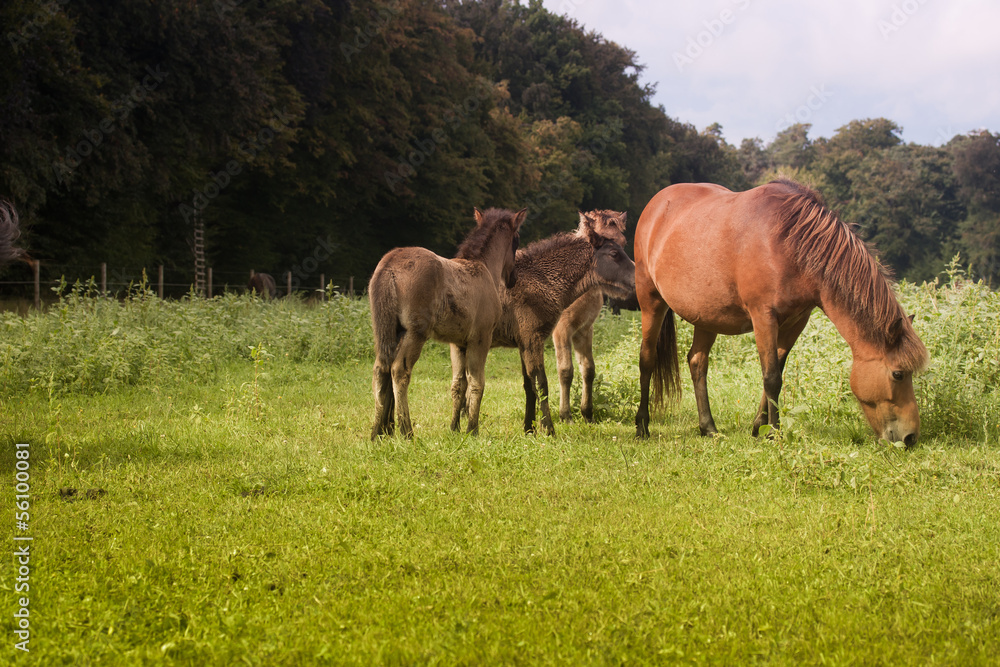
[(313, 136)]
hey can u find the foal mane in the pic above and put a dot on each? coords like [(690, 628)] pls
[(826, 248), (479, 239)]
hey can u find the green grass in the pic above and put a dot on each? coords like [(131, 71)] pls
[(248, 519)]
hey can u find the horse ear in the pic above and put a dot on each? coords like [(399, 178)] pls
[(478, 215), (587, 221), (623, 217), (896, 331), (911, 317), (519, 218)]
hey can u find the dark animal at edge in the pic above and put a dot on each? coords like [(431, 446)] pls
[(575, 329), (761, 261), (263, 285), (416, 294), (551, 274), (10, 231)]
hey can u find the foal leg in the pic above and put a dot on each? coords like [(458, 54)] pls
[(583, 343), (407, 354), (530, 398), (459, 385), (786, 339), (384, 400), (562, 337), (475, 357), (534, 363), (701, 345)]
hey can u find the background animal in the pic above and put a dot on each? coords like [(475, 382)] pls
[(416, 294), (551, 274), (9, 233), (575, 328), (760, 261), (263, 285)]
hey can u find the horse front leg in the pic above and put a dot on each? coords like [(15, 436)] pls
[(562, 341), (459, 385), (701, 346), (475, 359), (765, 329), (786, 339), (583, 343)]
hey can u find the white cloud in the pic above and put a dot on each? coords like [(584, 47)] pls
[(931, 66)]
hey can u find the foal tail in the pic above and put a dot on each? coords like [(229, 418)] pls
[(9, 232), (666, 370), (384, 302)]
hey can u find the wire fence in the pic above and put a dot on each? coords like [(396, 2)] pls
[(40, 281)]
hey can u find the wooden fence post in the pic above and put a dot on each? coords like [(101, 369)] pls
[(36, 266), (350, 287), (322, 287), (289, 276), (159, 283), (104, 278), (209, 282)]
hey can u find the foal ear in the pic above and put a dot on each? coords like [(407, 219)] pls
[(622, 218), (478, 215), (911, 317), (587, 221), (519, 218)]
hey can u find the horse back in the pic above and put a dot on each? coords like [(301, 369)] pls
[(714, 257), (451, 300)]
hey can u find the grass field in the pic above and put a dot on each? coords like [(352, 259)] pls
[(203, 491)]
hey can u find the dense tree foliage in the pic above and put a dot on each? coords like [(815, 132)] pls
[(312, 136)]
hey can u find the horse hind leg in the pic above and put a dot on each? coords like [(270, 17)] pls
[(407, 354), (459, 385), (384, 400), (701, 346)]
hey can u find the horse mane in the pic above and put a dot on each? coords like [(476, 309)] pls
[(827, 249), (475, 244), (542, 249)]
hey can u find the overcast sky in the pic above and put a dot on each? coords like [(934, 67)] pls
[(932, 66)]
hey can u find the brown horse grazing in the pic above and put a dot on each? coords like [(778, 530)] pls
[(551, 274), (760, 261), (575, 329), (263, 285), (416, 295), (9, 233)]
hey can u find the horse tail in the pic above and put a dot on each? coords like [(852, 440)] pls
[(666, 370), (384, 302), (9, 232)]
